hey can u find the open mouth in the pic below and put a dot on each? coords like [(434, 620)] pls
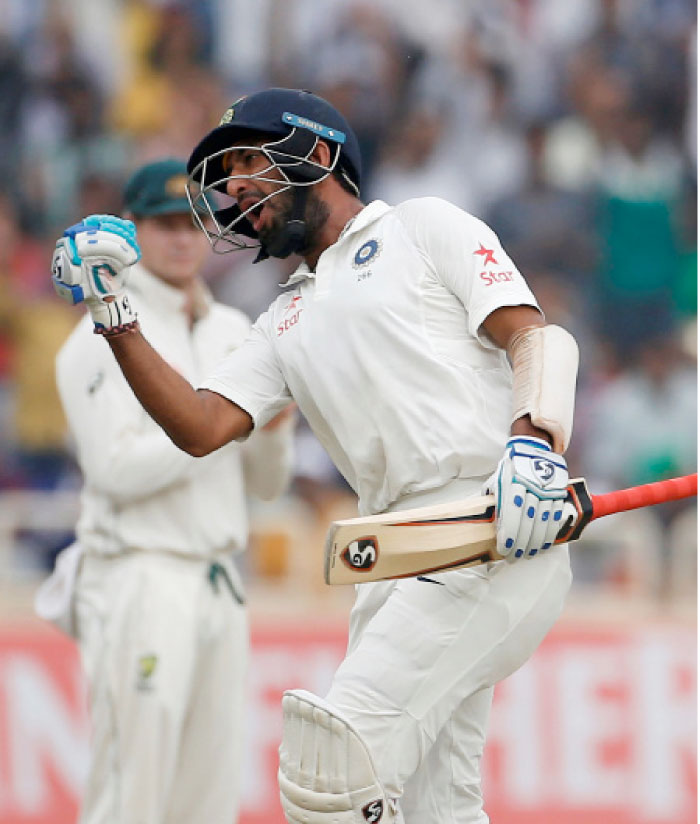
[(254, 214), (255, 217)]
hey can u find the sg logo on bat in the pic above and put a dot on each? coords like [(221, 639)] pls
[(373, 811), (361, 554)]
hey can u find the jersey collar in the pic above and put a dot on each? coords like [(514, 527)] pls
[(372, 212)]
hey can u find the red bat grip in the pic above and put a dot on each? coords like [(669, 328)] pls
[(656, 493)]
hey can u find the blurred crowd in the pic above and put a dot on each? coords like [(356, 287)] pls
[(569, 127)]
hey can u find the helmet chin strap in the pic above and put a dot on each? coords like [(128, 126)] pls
[(292, 237)]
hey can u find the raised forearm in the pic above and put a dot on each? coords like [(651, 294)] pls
[(196, 421)]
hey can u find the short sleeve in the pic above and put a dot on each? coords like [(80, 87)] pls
[(467, 257), (251, 376)]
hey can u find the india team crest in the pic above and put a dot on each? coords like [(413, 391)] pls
[(369, 250), (230, 113)]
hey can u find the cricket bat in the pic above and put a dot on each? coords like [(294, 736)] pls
[(463, 533)]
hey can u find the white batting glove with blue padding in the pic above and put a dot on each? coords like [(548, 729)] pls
[(530, 489), (91, 263)]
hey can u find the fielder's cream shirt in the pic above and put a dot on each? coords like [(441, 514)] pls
[(141, 492), (381, 348)]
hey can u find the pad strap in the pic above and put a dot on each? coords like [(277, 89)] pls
[(545, 364)]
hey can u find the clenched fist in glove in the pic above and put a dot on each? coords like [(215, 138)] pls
[(91, 263), (530, 488)]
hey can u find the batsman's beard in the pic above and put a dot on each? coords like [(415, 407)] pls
[(284, 233)]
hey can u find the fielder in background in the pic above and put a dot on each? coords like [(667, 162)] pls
[(159, 609), (420, 357)]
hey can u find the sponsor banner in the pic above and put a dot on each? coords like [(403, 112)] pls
[(598, 728)]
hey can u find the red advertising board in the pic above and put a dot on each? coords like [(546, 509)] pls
[(598, 728)]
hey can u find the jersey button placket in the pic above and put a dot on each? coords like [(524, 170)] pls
[(324, 274)]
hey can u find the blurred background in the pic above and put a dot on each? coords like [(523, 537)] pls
[(569, 127)]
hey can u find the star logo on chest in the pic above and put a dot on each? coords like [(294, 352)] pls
[(292, 303), (487, 254)]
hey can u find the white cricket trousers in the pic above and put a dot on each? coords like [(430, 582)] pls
[(423, 658), (165, 652)]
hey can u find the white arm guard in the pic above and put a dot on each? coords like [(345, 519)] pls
[(545, 363)]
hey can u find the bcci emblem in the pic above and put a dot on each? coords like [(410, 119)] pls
[(230, 112), (361, 554), (367, 253)]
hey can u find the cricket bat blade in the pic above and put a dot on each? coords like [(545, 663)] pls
[(408, 543)]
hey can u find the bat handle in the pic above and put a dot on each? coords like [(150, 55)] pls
[(659, 492), (582, 502), (589, 507)]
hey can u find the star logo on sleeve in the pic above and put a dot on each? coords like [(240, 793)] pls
[(487, 254)]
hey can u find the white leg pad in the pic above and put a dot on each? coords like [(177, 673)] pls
[(326, 774)]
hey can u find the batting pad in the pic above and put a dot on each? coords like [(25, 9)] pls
[(326, 774)]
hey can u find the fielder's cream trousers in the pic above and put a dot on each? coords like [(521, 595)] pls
[(165, 653)]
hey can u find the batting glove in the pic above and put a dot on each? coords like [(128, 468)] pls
[(91, 263), (530, 489)]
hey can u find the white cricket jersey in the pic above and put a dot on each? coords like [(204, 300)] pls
[(382, 350), (141, 492)]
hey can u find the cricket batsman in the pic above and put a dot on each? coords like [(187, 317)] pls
[(423, 363)]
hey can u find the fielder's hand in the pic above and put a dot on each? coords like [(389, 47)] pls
[(91, 263), (530, 488)]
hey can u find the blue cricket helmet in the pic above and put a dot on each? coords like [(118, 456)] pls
[(278, 112), (294, 120)]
